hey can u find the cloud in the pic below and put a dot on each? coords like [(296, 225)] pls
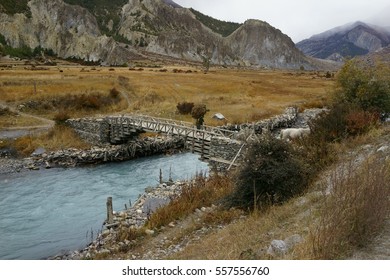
[(299, 19)]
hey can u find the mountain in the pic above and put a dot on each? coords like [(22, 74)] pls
[(371, 59), (346, 41), (115, 32)]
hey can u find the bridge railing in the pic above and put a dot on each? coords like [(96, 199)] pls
[(168, 125)]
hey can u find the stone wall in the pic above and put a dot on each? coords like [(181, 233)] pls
[(223, 151), (287, 119), (95, 131), (110, 153)]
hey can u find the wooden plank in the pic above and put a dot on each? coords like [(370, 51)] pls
[(221, 160)]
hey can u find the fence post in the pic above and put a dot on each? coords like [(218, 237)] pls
[(110, 212)]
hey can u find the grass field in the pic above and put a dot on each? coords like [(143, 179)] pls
[(240, 95)]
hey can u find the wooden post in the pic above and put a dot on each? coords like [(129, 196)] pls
[(161, 177), (203, 153), (110, 212)]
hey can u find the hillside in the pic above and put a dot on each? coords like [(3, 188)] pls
[(346, 41), (221, 27), (118, 32)]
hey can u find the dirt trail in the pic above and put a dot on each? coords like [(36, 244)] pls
[(18, 131)]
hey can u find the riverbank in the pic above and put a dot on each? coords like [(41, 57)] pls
[(127, 220)]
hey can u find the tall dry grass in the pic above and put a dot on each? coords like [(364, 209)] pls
[(356, 204), (59, 137), (200, 192)]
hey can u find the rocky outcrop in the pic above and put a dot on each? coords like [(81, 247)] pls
[(258, 43), (145, 29), (67, 30)]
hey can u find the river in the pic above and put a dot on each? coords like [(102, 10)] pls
[(44, 213)]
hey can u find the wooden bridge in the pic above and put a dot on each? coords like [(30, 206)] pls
[(123, 128)]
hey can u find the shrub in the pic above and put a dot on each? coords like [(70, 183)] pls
[(61, 117), (368, 88), (270, 174), (359, 122), (114, 93), (90, 101), (185, 108), (330, 126), (5, 111)]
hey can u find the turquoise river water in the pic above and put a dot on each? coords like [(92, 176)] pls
[(44, 213)]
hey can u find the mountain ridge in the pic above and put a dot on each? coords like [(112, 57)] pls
[(350, 40), (140, 28)]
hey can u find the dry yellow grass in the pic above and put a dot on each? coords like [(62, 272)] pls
[(18, 121), (241, 95), (59, 137)]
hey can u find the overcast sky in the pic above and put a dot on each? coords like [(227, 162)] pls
[(299, 19)]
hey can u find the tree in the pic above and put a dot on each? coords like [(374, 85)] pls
[(198, 112), (206, 63)]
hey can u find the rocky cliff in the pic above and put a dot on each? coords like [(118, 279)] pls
[(142, 28), (346, 41)]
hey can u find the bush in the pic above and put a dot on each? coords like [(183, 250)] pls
[(330, 126), (368, 88), (359, 122), (271, 173), (61, 117), (185, 108), (114, 93), (5, 111)]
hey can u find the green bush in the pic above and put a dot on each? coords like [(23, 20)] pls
[(2, 40), (222, 27), (22, 52), (368, 88), (15, 6), (271, 173)]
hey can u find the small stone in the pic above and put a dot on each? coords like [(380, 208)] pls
[(172, 225), (277, 248), (383, 149), (139, 211), (105, 251), (149, 232), (47, 165), (293, 240)]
